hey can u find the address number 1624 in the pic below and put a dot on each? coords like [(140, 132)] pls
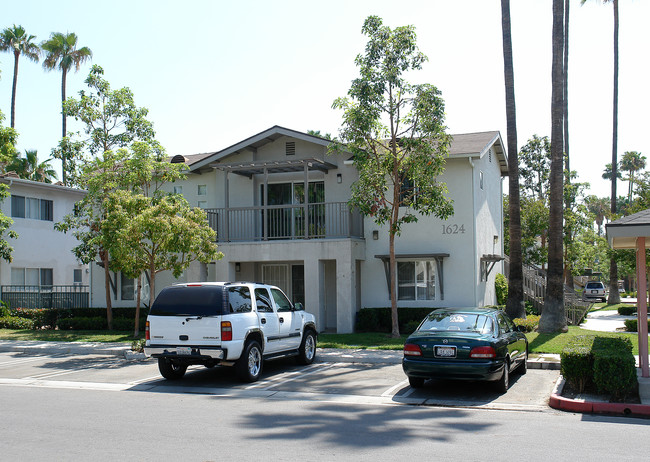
[(453, 229)]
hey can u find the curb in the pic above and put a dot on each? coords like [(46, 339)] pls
[(561, 403)]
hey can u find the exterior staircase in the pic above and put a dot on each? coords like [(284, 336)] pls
[(535, 290)]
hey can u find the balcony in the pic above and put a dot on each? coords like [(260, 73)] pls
[(61, 296), (327, 220)]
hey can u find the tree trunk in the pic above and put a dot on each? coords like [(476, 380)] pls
[(13, 90), (515, 304), (553, 315), (107, 285), (614, 297), (63, 125), (136, 329), (152, 282)]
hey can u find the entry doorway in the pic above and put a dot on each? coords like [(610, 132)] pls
[(288, 277)]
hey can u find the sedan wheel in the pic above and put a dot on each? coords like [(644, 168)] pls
[(416, 382), (504, 382)]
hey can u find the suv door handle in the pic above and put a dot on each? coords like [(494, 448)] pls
[(263, 321), (281, 319)]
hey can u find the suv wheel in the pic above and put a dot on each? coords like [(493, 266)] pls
[(171, 370), (307, 351), (249, 365)]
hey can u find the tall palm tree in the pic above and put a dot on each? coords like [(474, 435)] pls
[(599, 207), (515, 304), (614, 296), (29, 168), (632, 162), (15, 40), (62, 52), (553, 315)]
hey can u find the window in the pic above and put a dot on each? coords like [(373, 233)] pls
[(77, 276), (35, 277), (281, 300), (263, 301), (178, 190), (408, 192), (416, 280), (203, 204), (202, 190), (127, 288), (480, 180), (239, 299), (31, 207)]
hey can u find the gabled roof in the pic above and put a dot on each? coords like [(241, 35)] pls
[(622, 233), (253, 143), (463, 145), (10, 179)]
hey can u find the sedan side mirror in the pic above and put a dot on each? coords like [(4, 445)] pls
[(298, 307)]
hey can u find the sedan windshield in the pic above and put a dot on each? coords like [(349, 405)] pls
[(464, 322)]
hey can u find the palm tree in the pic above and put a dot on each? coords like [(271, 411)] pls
[(608, 174), (515, 304), (614, 296), (599, 207), (632, 162), (62, 52), (29, 168), (553, 315), (15, 40)]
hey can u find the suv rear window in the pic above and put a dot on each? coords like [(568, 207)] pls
[(190, 301), (595, 285)]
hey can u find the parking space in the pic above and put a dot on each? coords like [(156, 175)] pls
[(383, 382)]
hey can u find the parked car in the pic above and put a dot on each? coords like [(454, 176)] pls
[(465, 344), (232, 324), (595, 289)]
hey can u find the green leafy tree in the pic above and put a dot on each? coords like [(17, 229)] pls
[(396, 133), (577, 221), (8, 138), (515, 304), (17, 41), (608, 172), (154, 234), (327, 136), (62, 53), (632, 162), (110, 117), (30, 168), (553, 317), (599, 208), (535, 167), (70, 153)]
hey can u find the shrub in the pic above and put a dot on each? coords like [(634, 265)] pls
[(14, 322), (614, 368), (530, 323), (626, 310), (410, 327), (83, 323), (632, 325), (138, 345), (379, 319), (4, 309), (576, 364), (501, 289), (530, 308), (44, 318)]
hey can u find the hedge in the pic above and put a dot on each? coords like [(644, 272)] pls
[(529, 324), (75, 318), (626, 310), (13, 322), (632, 325), (379, 319), (605, 363)]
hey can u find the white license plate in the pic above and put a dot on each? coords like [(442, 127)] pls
[(445, 352), (183, 350), (594, 291)]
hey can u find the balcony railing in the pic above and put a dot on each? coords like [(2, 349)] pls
[(64, 296), (313, 221)]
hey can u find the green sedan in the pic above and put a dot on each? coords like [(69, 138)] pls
[(465, 344)]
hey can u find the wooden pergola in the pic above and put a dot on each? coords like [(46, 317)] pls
[(633, 232)]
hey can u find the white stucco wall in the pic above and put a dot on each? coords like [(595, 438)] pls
[(39, 245)]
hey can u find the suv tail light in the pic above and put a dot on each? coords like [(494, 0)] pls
[(482, 352), (410, 349), (147, 334), (226, 331)]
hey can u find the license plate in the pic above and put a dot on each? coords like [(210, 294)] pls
[(445, 351), (594, 291), (183, 350)]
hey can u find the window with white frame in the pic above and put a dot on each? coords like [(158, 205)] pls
[(77, 276), (203, 204), (178, 190), (34, 277), (32, 207), (202, 190), (416, 280)]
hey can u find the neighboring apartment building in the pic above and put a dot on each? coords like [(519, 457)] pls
[(278, 201), (44, 271)]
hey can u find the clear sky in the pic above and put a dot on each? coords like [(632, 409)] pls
[(213, 73)]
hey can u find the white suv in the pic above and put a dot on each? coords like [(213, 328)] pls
[(595, 289), (228, 323)]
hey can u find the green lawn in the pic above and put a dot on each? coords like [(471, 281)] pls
[(606, 307), (539, 343)]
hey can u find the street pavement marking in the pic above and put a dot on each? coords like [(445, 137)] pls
[(291, 376), (16, 362), (391, 391)]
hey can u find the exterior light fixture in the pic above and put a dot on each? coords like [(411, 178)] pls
[(237, 267), (339, 178), (496, 239), (375, 235)]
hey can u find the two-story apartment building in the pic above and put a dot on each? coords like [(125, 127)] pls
[(279, 204), (44, 271)]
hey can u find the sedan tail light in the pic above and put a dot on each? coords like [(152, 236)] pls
[(226, 331), (147, 333), (483, 352), (411, 349)]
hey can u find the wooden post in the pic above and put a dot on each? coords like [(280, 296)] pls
[(642, 306)]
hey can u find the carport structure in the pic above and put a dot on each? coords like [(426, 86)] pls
[(633, 232)]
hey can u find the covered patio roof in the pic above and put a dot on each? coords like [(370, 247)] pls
[(633, 232), (257, 168)]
